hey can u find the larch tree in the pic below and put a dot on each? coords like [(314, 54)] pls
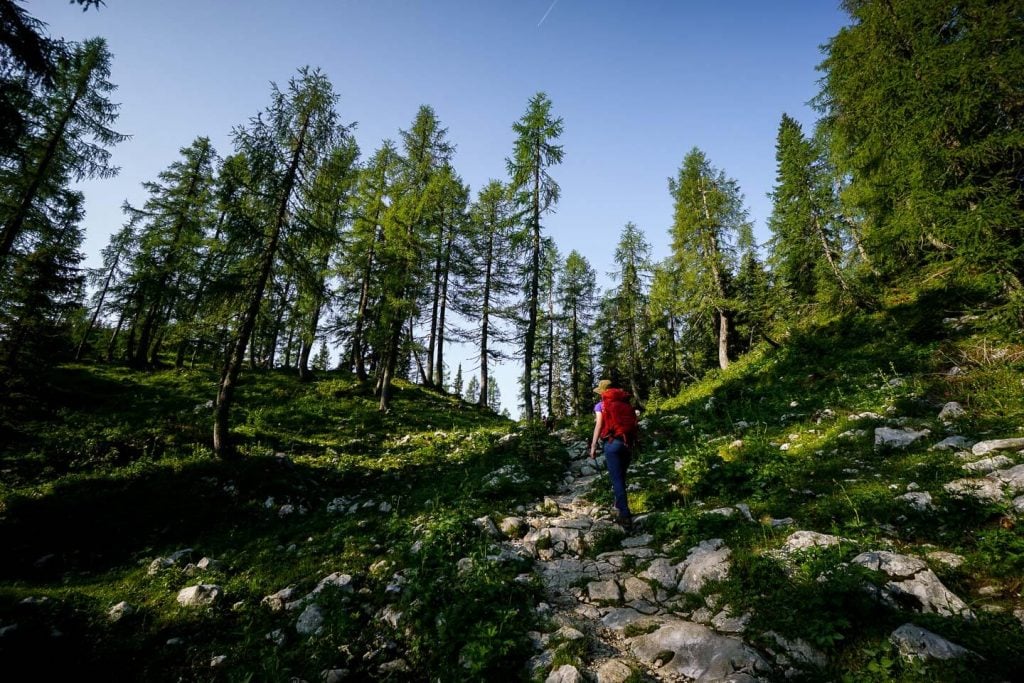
[(67, 139), (360, 266), (709, 222), (173, 224), (490, 278), (577, 298), (426, 151), (284, 146), (324, 215), (534, 152)]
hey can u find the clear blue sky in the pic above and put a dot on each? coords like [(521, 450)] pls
[(638, 84)]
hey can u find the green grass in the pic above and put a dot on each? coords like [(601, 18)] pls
[(112, 471), (103, 469)]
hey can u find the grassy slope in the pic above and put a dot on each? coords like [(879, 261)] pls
[(894, 363), (108, 475), (104, 475)]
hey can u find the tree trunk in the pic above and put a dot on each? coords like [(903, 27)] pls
[(111, 345), (99, 307), (222, 445), (531, 325)]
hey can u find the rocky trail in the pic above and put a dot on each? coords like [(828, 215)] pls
[(632, 613)]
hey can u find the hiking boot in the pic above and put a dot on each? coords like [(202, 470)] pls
[(625, 522)]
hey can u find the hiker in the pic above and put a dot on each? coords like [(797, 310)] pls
[(615, 424)]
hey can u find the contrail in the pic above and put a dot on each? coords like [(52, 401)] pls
[(547, 13)]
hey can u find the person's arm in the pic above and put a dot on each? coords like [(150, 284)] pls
[(597, 434)]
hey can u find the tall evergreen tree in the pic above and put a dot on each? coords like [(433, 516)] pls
[(361, 263), (283, 147), (632, 256), (426, 150), (490, 278), (922, 109), (172, 226), (534, 152), (324, 215), (710, 221), (577, 295), (806, 248), (67, 140)]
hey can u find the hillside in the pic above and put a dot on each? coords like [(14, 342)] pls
[(797, 510)]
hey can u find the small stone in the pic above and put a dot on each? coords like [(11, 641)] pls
[(199, 595), (603, 591), (567, 673), (983, 447), (613, 671), (311, 620), (218, 661), (120, 611), (951, 411)]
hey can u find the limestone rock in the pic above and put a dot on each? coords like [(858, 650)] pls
[(567, 673), (984, 447), (311, 620), (697, 652), (120, 611), (799, 650), (707, 561), (512, 527), (951, 560), (199, 595), (989, 464), (604, 591), (987, 490), (662, 572), (887, 437), (277, 601), (1012, 478), (613, 671), (619, 618), (952, 411), (919, 500), (953, 443), (912, 583), (801, 540), (915, 642)]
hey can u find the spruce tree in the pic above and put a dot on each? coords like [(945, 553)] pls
[(922, 110), (709, 224)]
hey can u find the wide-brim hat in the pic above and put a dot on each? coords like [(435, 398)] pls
[(603, 386)]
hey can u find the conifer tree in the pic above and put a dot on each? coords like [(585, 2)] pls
[(806, 248), (632, 256), (472, 390), (710, 221), (67, 140), (490, 278), (534, 152), (577, 296), (324, 216), (922, 110), (283, 147), (426, 150), (361, 264), (172, 226), (457, 382)]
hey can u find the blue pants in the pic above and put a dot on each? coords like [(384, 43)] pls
[(617, 457)]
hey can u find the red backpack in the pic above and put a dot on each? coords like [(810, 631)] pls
[(618, 417)]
